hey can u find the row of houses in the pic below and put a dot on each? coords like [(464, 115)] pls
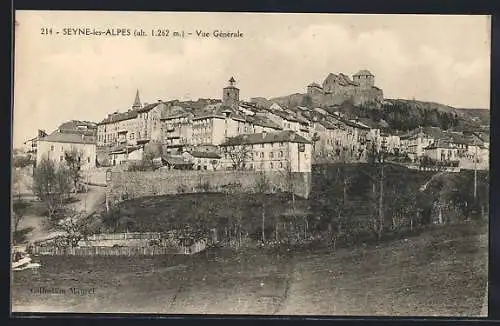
[(213, 134), (468, 149), (183, 128)]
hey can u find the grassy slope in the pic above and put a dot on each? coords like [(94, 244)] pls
[(160, 212), (442, 272)]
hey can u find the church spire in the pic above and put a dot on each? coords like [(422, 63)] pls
[(137, 101)]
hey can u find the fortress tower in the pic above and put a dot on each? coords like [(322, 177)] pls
[(337, 88), (231, 94), (364, 78)]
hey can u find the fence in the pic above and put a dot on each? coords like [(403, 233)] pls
[(117, 251), (125, 236)]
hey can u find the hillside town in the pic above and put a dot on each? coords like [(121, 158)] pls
[(315, 165), (229, 134)]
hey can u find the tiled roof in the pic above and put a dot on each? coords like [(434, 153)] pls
[(175, 160), (368, 122), (263, 122), (73, 125), (201, 154), (176, 116), (350, 123), (120, 116), (69, 137), (268, 137), (124, 150), (285, 116), (148, 107), (433, 132), (327, 124), (440, 143)]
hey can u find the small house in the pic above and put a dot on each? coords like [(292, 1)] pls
[(203, 160), (176, 162)]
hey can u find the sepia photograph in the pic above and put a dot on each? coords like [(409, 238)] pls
[(250, 164)]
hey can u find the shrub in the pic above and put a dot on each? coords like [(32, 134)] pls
[(182, 188)]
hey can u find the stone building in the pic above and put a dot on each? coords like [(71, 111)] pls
[(336, 89), (268, 151), (55, 145), (231, 95)]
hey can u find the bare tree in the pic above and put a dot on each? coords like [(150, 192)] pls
[(238, 155), (342, 204), (19, 208), (262, 186), (73, 161), (51, 184), (16, 182), (376, 159)]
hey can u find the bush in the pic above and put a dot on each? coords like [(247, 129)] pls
[(138, 167), (203, 186), (182, 188)]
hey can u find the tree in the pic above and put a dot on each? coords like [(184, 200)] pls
[(262, 186), (376, 160), (19, 208), (238, 155), (16, 182), (74, 164), (21, 161), (151, 151), (76, 226), (50, 184)]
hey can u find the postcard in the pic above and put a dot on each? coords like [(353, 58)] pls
[(250, 163)]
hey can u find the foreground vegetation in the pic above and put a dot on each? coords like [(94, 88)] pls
[(441, 272), (349, 205)]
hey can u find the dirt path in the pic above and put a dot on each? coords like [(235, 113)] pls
[(88, 202)]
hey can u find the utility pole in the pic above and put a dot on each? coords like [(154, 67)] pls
[(475, 171), (381, 195)]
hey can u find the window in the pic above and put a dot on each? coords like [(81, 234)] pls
[(281, 164), (52, 148), (60, 158), (88, 159), (281, 154), (271, 154), (262, 154), (62, 149), (261, 145), (271, 165)]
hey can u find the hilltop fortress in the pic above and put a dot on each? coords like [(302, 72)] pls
[(339, 88)]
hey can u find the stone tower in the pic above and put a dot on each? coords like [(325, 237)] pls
[(231, 94), (137, 102), (364, 78)]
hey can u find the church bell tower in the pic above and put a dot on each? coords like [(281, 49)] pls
[(231, 94)]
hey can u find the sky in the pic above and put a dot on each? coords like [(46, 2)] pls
[(444, 59)]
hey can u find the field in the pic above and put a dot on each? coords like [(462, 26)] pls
[(442, 272)]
